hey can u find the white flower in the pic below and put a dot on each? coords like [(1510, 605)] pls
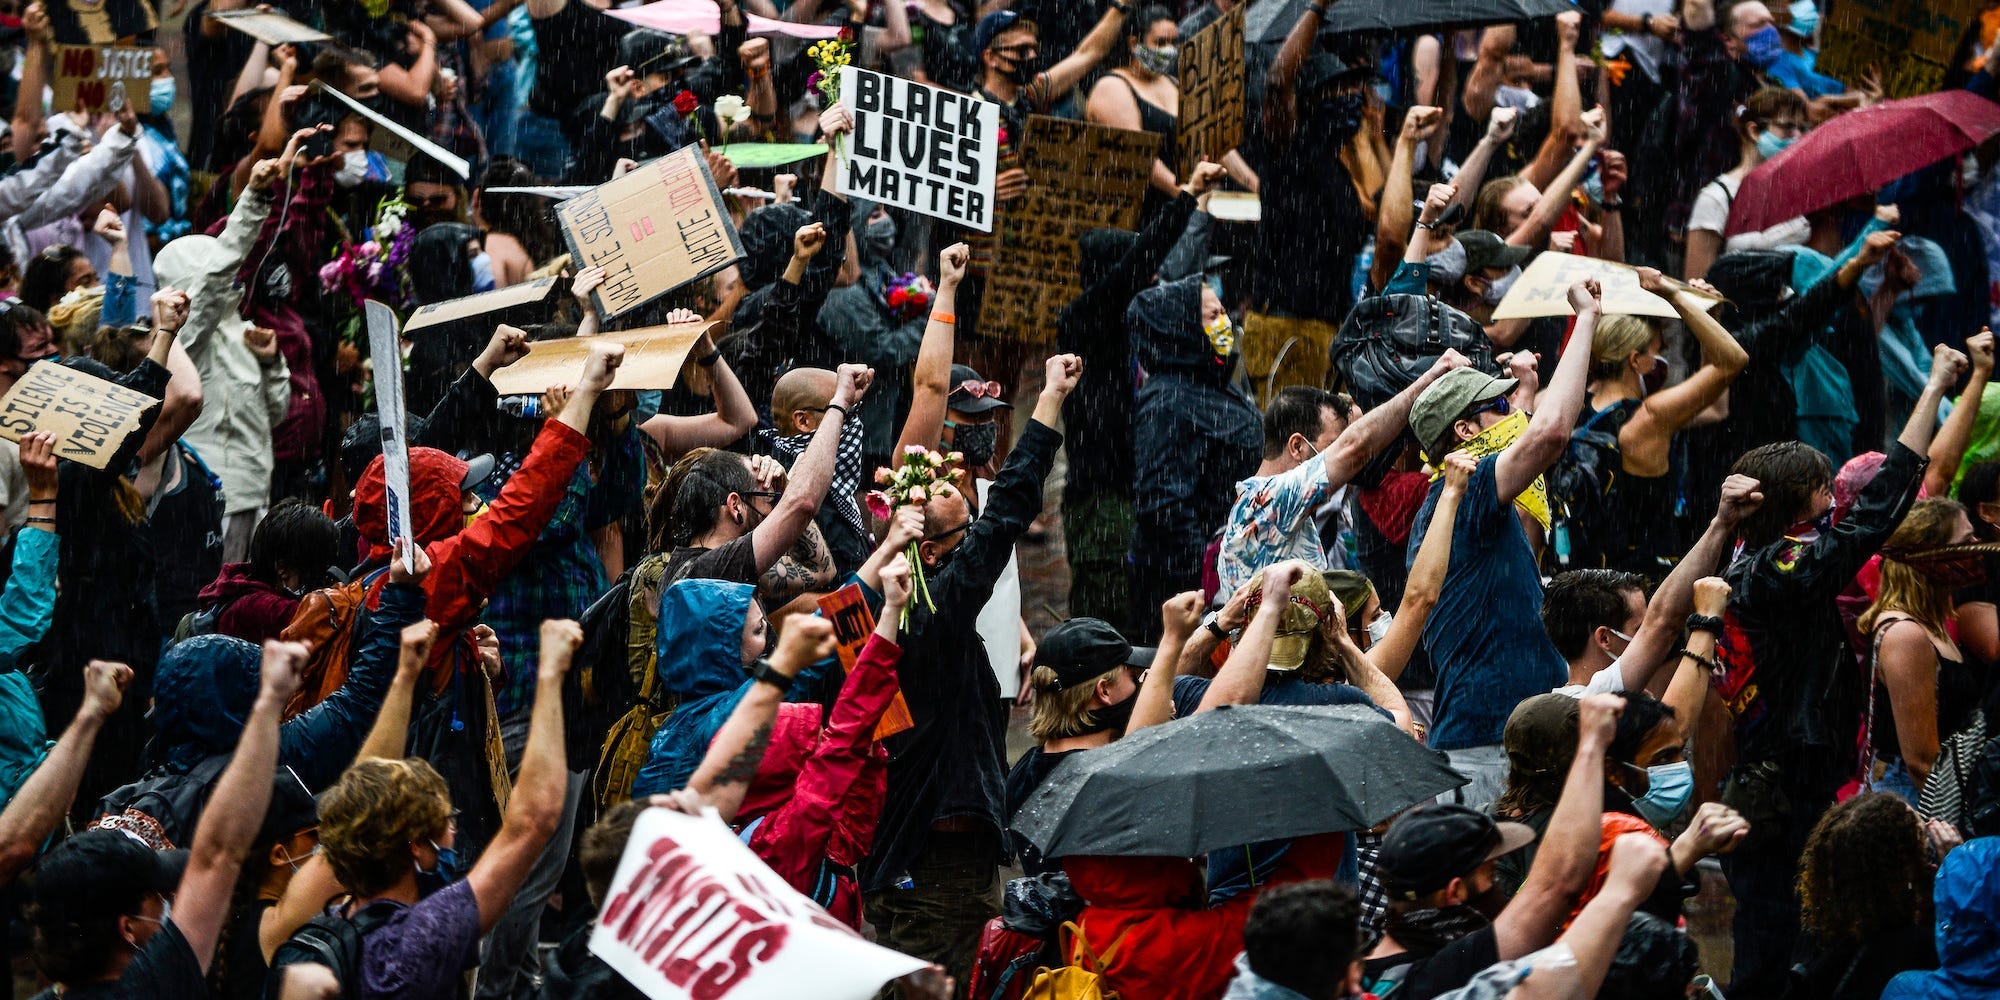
[(730, 108), (388, 226)]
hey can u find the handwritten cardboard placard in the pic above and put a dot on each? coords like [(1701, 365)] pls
[(653, 230), (269, 26), (852, 622), (398, 143), (101, 77), (90, 417), (694, 915), (99, 22), (923, 148), (1211, 79), (653, 358), (1080, 177), (524, 294), (1235, 206), (1543, 289), (1911, 41)]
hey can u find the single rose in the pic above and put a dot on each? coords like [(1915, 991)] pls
[(685, 102)]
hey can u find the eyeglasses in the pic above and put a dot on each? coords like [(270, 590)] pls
[(1019, 53), (948, 532), (428, 200), (766, 494), (1497, 405), (979, 390)]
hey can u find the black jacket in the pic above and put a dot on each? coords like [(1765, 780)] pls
[(776, 327)]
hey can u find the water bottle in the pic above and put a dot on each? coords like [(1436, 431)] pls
[(527, 406)]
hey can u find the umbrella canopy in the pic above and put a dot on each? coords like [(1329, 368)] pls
[(1270, 20), (1859, 152), (682, 17), (1236, 775)]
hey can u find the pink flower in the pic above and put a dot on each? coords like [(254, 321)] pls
[(934, 458), (370, 248), (919, 495), (955, 457), (882, 476), (878, 504), (812, 82), (914, 449)]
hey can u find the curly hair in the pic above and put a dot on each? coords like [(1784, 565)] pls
[(369, 818), (1865, 872)]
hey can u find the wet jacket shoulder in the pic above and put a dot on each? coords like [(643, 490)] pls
[(1966, 898)]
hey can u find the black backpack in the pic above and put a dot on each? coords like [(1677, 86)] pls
[(162, 808), (1387, 341), (1583, 534), (331, 940)]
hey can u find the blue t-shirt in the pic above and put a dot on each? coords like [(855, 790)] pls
[(1485, 635)]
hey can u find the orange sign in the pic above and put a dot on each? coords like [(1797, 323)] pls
[(852, 622)]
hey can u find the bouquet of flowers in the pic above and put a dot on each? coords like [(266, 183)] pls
[(909, 296), (373, 268), (829, 54), (923, 474)]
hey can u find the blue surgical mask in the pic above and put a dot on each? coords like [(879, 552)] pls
[(446, 872), (1763, 48), (161, 99), (482, 272), (1668, 789), (1805, 18), (1769, 145)]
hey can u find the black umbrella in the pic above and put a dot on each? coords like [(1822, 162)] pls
[(1233, 776), (1271, 20)]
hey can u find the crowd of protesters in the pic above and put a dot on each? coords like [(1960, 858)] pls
[(1688, 596)]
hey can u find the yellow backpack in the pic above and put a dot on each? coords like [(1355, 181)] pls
[(1075, 982)]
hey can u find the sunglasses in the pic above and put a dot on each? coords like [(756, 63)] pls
[(979, 390), (1498, 405), (948, 532), (1019, 52)]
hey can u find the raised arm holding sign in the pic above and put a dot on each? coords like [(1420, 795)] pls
[(918, 147), (652, 230)]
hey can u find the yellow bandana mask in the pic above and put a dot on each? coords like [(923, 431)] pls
[(1491, 441)]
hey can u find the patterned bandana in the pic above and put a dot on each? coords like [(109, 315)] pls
[(1493, 440), (846, 466)]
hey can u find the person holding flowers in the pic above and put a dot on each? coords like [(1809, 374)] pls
[(932, 879)]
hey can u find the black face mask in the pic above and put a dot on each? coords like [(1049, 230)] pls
[(1021, 73), (976, 441), (1424, 932), (1112, 717), (1336, 121)]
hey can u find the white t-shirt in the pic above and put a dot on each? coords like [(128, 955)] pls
[(1610, 680), (1711, 213)]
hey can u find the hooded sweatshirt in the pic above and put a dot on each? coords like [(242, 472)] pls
[(251, 609), (1967, 900), (441, 270), (700, 637)]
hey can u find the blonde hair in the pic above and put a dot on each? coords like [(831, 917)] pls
[(1617, 338), (1063, 711), (1904, 587), (371, 816), (75, 318), (1487, 212)]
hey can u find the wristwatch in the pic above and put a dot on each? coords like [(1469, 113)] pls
[(763, 672), (1646, 23), (1209, 623)]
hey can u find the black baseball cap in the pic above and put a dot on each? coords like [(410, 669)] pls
[(1083, 649), (648, 51), (101, 875), (1430, 845), (292, 810), (1484, 249), (962, 400)]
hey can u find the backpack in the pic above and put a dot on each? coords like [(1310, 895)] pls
[(1387, 341), (161, 809), (1024, 938), (332, 940), (629, 740), (1582, 532), (1945, 794), (325, 621), (1076, 982)]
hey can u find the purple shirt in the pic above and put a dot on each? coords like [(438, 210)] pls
[(422, 952)]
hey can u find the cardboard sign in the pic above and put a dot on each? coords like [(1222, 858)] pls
[(270, 27), (1211, 79), (101, 77), (99, 22), (694, 915), (852, 622), (653, 230), (653, 358), (1235, 206), (559, 192), (396, 142), (1080, 177), (1910, 41), (1543, 289), (90, 417), (524, 294), (923, 148), (386, 350)]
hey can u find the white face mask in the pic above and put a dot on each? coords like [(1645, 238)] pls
[(1378, 628), (1497, 290), (353, 168)]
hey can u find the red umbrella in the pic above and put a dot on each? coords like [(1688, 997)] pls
[(1859, 152)]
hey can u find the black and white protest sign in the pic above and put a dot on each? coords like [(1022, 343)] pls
[(918, 147)]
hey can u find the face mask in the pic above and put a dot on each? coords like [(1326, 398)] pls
[(1340, 118), (353, 168), (1763, 48), (1655, 378), (161, 99), (1428, 930), (976, 441), (1021, 73), (476, 514), (880, 236), (1769, 145), (1221, 335), (1668, 788), (446, 872), (277, 284), (1497, 289), (1805, 18), (482, 273), (1447, 265), (1518, 98), (1162, 61), (1112, 717), (1378, 628)]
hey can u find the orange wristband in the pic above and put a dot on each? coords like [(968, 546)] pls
[(944, 318)]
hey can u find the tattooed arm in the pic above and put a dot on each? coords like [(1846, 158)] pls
[(725, 773), (807, 567)]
